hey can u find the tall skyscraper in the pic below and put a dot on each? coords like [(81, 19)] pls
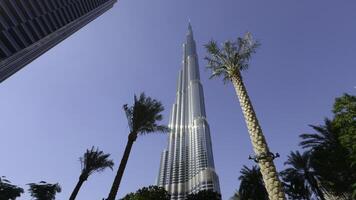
[(29, 28), (187, 165)]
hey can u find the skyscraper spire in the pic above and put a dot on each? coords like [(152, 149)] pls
[(187, 165), (190, 30)]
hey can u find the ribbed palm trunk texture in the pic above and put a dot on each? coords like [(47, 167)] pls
[(77, 188), (120, 171), (267, 167)]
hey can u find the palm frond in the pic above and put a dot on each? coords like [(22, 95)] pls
[(145, 113), (95, 160), (325, 136), (251, 185), (231, 58)]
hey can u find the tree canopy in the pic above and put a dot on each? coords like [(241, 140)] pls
[(9, 191), (252, 186), (149, 193), (345, 119), (44, 191), (204, 195)]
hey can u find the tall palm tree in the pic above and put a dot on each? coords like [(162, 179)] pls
[(228, 62), (142, 117), (92, 161), (251, 185), (44, 191), (301, 175)]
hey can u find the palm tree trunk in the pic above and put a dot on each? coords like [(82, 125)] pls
[(120, 171), (267, 167), (77, 188)]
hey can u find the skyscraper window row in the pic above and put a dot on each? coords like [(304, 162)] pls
[(26, 26), (44, 22)]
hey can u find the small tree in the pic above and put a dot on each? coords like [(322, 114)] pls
[(204, 195), (149, 193), (9, 191), (44, 191)]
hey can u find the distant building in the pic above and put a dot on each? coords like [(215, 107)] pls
[(187, 165), (29, 28)]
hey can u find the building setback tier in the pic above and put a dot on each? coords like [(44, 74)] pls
[(187, 164)]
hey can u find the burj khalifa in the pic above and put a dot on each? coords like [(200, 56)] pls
[(187, 164)]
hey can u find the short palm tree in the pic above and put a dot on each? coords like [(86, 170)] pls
[(92, 161), (228, 62), (301, 176), (44, 191), (142, 117), (251, 185)]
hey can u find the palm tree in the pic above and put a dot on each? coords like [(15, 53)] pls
[(44, 191), (326, 136), (9, 191), (92, 161), (228, 62), (301, 177), (142, 118), (329, 159), (295, 186), (251, 185)]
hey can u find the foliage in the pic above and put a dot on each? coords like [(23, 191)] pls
[(233, 57), (329, 159), (204, 195), (44, 191), (144, 115), (95, 160), (345, 119), (300, 180), (92, 161), (9, 191), (251, 185), (149, 193)]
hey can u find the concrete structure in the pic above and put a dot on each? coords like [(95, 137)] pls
[(187, 165), (29, 28)]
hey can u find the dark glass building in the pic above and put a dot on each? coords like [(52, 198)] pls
[(28, 28)]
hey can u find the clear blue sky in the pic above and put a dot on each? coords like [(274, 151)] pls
[(71, 97)]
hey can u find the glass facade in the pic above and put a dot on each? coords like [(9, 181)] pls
[(187, 165), (29, 28)]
